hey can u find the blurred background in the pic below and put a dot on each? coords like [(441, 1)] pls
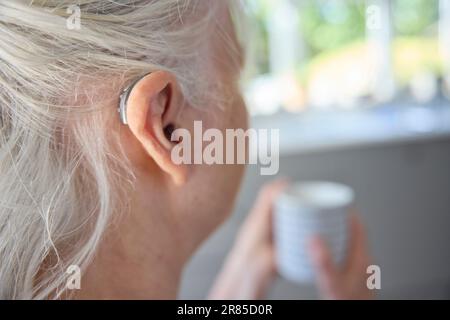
[(360, 91)]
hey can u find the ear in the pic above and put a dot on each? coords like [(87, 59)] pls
[(152, 109)]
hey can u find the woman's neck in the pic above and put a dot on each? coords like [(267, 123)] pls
[(141, 257)]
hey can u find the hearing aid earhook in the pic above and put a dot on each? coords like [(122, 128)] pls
[(123, 99)]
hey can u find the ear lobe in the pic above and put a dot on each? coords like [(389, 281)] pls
[(154, 104)]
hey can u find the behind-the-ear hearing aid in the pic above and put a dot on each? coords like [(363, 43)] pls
[(123, 99), (122, 109)]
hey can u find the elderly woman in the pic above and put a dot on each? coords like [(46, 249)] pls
[(81, 185)]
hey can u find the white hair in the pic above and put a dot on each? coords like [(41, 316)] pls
[(63, 174)]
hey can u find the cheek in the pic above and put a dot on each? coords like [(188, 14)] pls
[(239, 120), (239, 117), (228, 177), (243, 115)]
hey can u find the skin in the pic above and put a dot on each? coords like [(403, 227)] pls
[(174, 208), (250, 266)]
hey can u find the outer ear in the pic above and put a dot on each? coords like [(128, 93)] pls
[(154, 104)]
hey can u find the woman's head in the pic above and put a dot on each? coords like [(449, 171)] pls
[(69, 168)]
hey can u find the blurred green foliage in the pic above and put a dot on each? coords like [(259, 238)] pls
[(328, 26), (414, 17)]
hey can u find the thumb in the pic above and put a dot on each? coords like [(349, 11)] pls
[(260, 216), (326, 271)]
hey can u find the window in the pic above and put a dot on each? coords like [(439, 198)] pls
[(312, 55)]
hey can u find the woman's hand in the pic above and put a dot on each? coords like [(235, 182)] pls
[(250, 266), (349, 281)]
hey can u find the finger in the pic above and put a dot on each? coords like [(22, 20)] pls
[(326, 272), (258, 225), (262, 209), (358, 255), (265, 271), (268, 195)]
